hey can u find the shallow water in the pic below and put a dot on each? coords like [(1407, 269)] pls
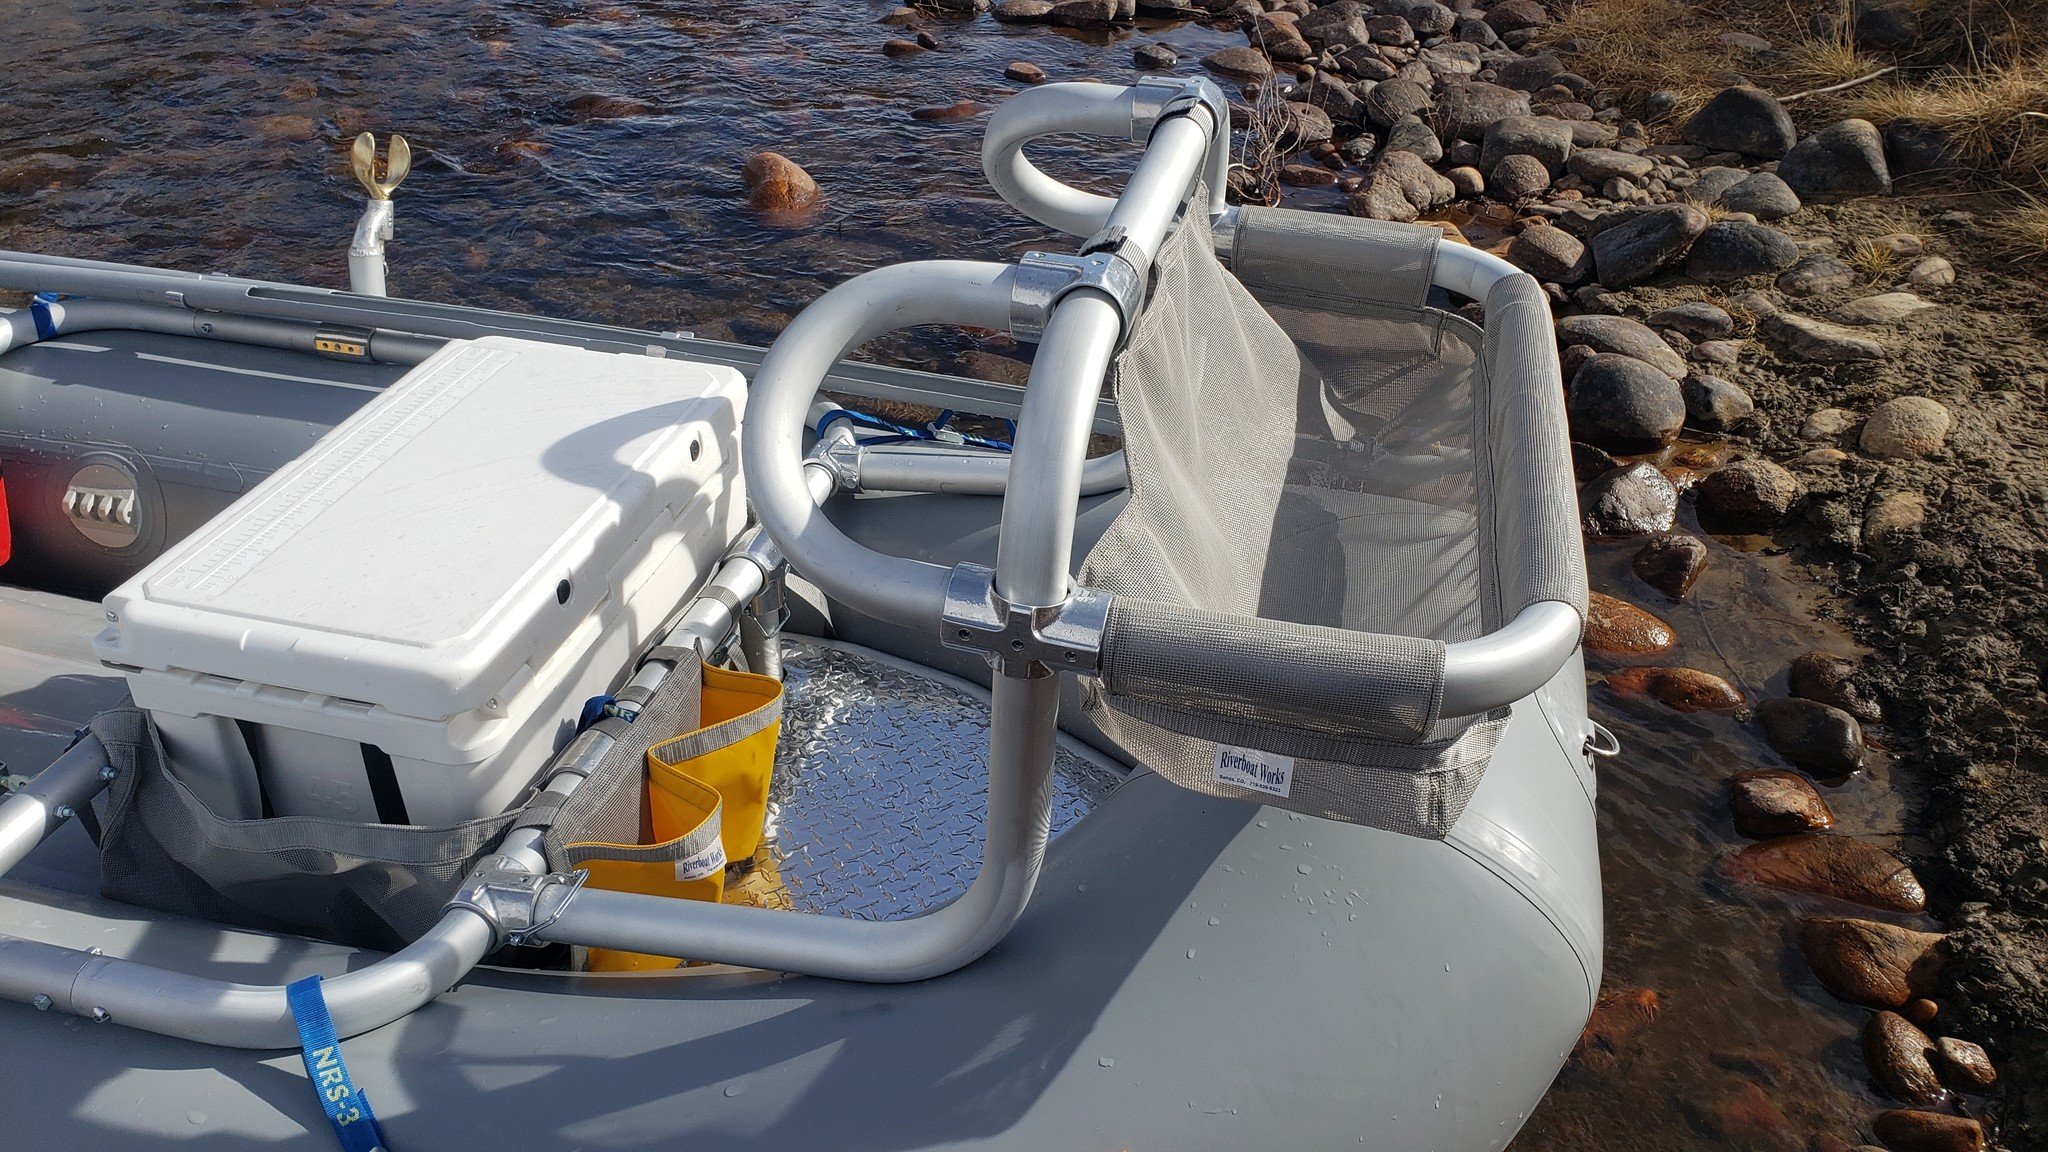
[(213, 136)]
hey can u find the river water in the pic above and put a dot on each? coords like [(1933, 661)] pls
[(213, 136)]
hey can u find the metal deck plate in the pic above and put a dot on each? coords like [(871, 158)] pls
[(881, 785)]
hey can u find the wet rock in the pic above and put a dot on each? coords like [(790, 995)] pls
[(1410, 134), (1635, 500), (1303, 126), (1895, 516), (1022, 11), (1907, 1130), (1730, 250), (901, 48), (1813, 735), (1931, 272), (1400, 187), (1154, 56), (1238, 63), (1883, 308), (1713, 404), (1683, 689), (1906, 428), (1620, 1015), (603, 106), (943, 113), (1752, 495), (1831, 680), (1588, 462), (1921, 1011), (1599, 165), (1517, 177), (1870, 963), (1899, 1057), (1634, 251), (1815, 274), (1306, 175), (1964, 1066), (1802, 338), (1913, 148), (1763, 196), (1695, 319), (1744, 1117), (1616, 628), (289, 127), (1620, 335), (1841, 161), (1551, 254), (1548, 140), (1671, 564), (1742, 119), (1771, 802), (775, 183), (1821, 864), (1621, 404), (1330, 93), (1465, 111), (1024, 72), (1469, 183), (1390, 100), (1084, 13)]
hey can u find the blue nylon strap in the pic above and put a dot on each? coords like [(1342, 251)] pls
[(39, 310), (348, 1110)]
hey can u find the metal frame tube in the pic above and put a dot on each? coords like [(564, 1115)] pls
[(1089, 109), (29, 816), (72, 317), (889, 588), (366, 250)]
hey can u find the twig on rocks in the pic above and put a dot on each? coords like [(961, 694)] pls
[(1884, 71)]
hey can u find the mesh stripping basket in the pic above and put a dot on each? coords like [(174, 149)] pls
[(1329, 482)]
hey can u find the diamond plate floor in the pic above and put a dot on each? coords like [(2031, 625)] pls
[(880, 787)]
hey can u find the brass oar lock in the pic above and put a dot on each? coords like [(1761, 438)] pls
[(362, 159), (366, 254)]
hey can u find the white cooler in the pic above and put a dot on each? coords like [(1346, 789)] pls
[(403, 624)]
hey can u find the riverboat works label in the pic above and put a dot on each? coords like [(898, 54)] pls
[(1251, 768)]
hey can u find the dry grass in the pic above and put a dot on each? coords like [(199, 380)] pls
[(2022, 231), (1997, 114), (1637, 47), (1873, 262), (1819, 63)]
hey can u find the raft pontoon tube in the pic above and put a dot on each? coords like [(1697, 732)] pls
[(1035, 628)]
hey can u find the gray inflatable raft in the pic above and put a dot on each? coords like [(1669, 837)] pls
[(1232, 790)]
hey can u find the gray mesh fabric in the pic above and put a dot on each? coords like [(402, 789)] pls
[(1329, 483), (369, 885), (611, 803)]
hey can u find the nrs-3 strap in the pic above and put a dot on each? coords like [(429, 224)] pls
[(348, 1110)]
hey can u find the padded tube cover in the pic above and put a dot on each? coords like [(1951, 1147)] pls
[(1286, 254), (1537, 553), (1295, 689)]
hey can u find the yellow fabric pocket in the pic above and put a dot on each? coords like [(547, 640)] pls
[(704, 806)]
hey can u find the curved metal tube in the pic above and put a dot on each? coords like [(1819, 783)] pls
[(71, 317), (890, 588), (1501, 667), (101, 987), (1090, 109)]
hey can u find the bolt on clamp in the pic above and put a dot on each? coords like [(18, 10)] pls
[(516, 903), (1021, 641)]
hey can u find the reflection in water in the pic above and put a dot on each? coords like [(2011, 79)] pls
[(583, 159)]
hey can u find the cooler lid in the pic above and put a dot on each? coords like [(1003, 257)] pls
[(452, 533)]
